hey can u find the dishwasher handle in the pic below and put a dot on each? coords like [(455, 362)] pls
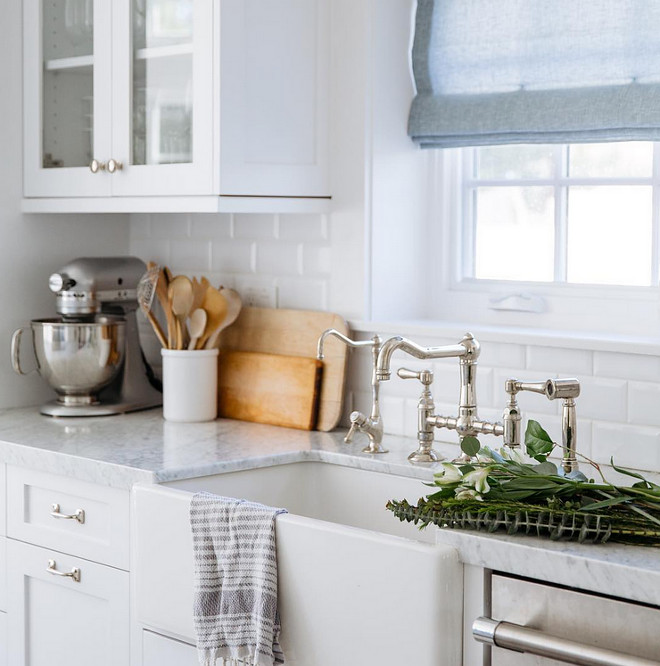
[(523, 639)]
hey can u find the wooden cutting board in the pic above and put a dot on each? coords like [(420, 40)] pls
[(296, 333), (269, 388)]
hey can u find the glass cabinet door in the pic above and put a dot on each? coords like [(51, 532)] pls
[(163, 110), (67, 99)]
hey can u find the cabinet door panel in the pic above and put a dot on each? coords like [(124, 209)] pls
[(3, 639), (158, 650), (274, 64), (55, 621), (162, 97), (66, 97)]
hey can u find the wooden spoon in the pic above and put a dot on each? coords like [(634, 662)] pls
[(196, 326), (180, 297), (234, 305), (215, 305), (161, 294)]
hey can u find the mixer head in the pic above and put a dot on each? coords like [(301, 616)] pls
[(97, 284)]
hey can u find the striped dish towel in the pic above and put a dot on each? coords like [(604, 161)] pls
[(235, 605)]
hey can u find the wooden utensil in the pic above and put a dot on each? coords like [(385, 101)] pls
[(269, 388), (295, 333), (198, 294), (161, 294), (234, 305), (196, 326), (215, 305), (180, 297), (146, 290)]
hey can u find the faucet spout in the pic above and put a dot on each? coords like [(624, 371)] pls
[(468, 347)]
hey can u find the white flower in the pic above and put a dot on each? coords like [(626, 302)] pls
[(512, 454), (478, 479), (450, 474), (463, 493)]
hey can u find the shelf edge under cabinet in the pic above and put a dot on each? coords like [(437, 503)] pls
[(183, 204)]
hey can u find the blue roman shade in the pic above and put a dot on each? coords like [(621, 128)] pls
[(535, 71)]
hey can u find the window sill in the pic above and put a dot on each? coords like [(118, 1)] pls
[(646, 345)]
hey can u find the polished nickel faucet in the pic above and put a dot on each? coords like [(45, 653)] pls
[(372, 425), (554, 389), (467, 422)]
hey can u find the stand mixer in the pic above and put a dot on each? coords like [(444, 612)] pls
[(91, 355)]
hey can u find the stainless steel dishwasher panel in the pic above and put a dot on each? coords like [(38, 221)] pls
[(592, 620)]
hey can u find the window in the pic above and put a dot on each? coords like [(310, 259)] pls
[(552, 237), (577, 214)]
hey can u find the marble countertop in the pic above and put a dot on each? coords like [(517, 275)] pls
[(143, 448)]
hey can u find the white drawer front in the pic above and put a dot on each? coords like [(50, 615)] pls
[(158, 650), (102, 532), (625, 627), (3, 499)]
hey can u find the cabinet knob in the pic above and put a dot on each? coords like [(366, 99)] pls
[(114, 165), (74, 573), (95, 166)]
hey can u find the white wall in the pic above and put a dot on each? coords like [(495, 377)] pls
[(33, 246), (370, 241)]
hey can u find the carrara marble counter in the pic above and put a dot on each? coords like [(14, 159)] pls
[(143, 448)]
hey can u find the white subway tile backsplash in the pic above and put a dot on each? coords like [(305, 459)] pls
[(644, 403), (502, 355), (394, 423), (602, 399), (211, 226), (190, 255), (316, 259), (629, 446), (627, 366), (302, 228), (570, 362), (233, 256), (152, 250), (170, 225), (254, 226), (302, 294), (140, 227), (278, 258)]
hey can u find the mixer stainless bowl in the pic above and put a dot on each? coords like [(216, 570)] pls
[(77, 359)]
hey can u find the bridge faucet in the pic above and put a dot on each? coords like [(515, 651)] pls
[(372, 425), (467, 422)]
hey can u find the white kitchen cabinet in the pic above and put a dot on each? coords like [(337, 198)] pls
[(56, 620), (213, 102), (158, 650), (3, 639)]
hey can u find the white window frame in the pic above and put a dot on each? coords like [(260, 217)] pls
[(597, 310)]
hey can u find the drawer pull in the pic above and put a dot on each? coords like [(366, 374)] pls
[(523, 639), (79, 515), (74, 573)]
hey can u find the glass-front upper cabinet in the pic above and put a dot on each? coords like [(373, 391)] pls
[(118, 97), (66, 96), (163, 104)]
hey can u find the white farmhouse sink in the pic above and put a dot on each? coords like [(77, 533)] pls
[(356, 586)]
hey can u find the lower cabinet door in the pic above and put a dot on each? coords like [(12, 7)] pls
[(3, 639), (65, 611), (158, 650)]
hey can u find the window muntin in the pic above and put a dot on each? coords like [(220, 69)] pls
[(574, 214)]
